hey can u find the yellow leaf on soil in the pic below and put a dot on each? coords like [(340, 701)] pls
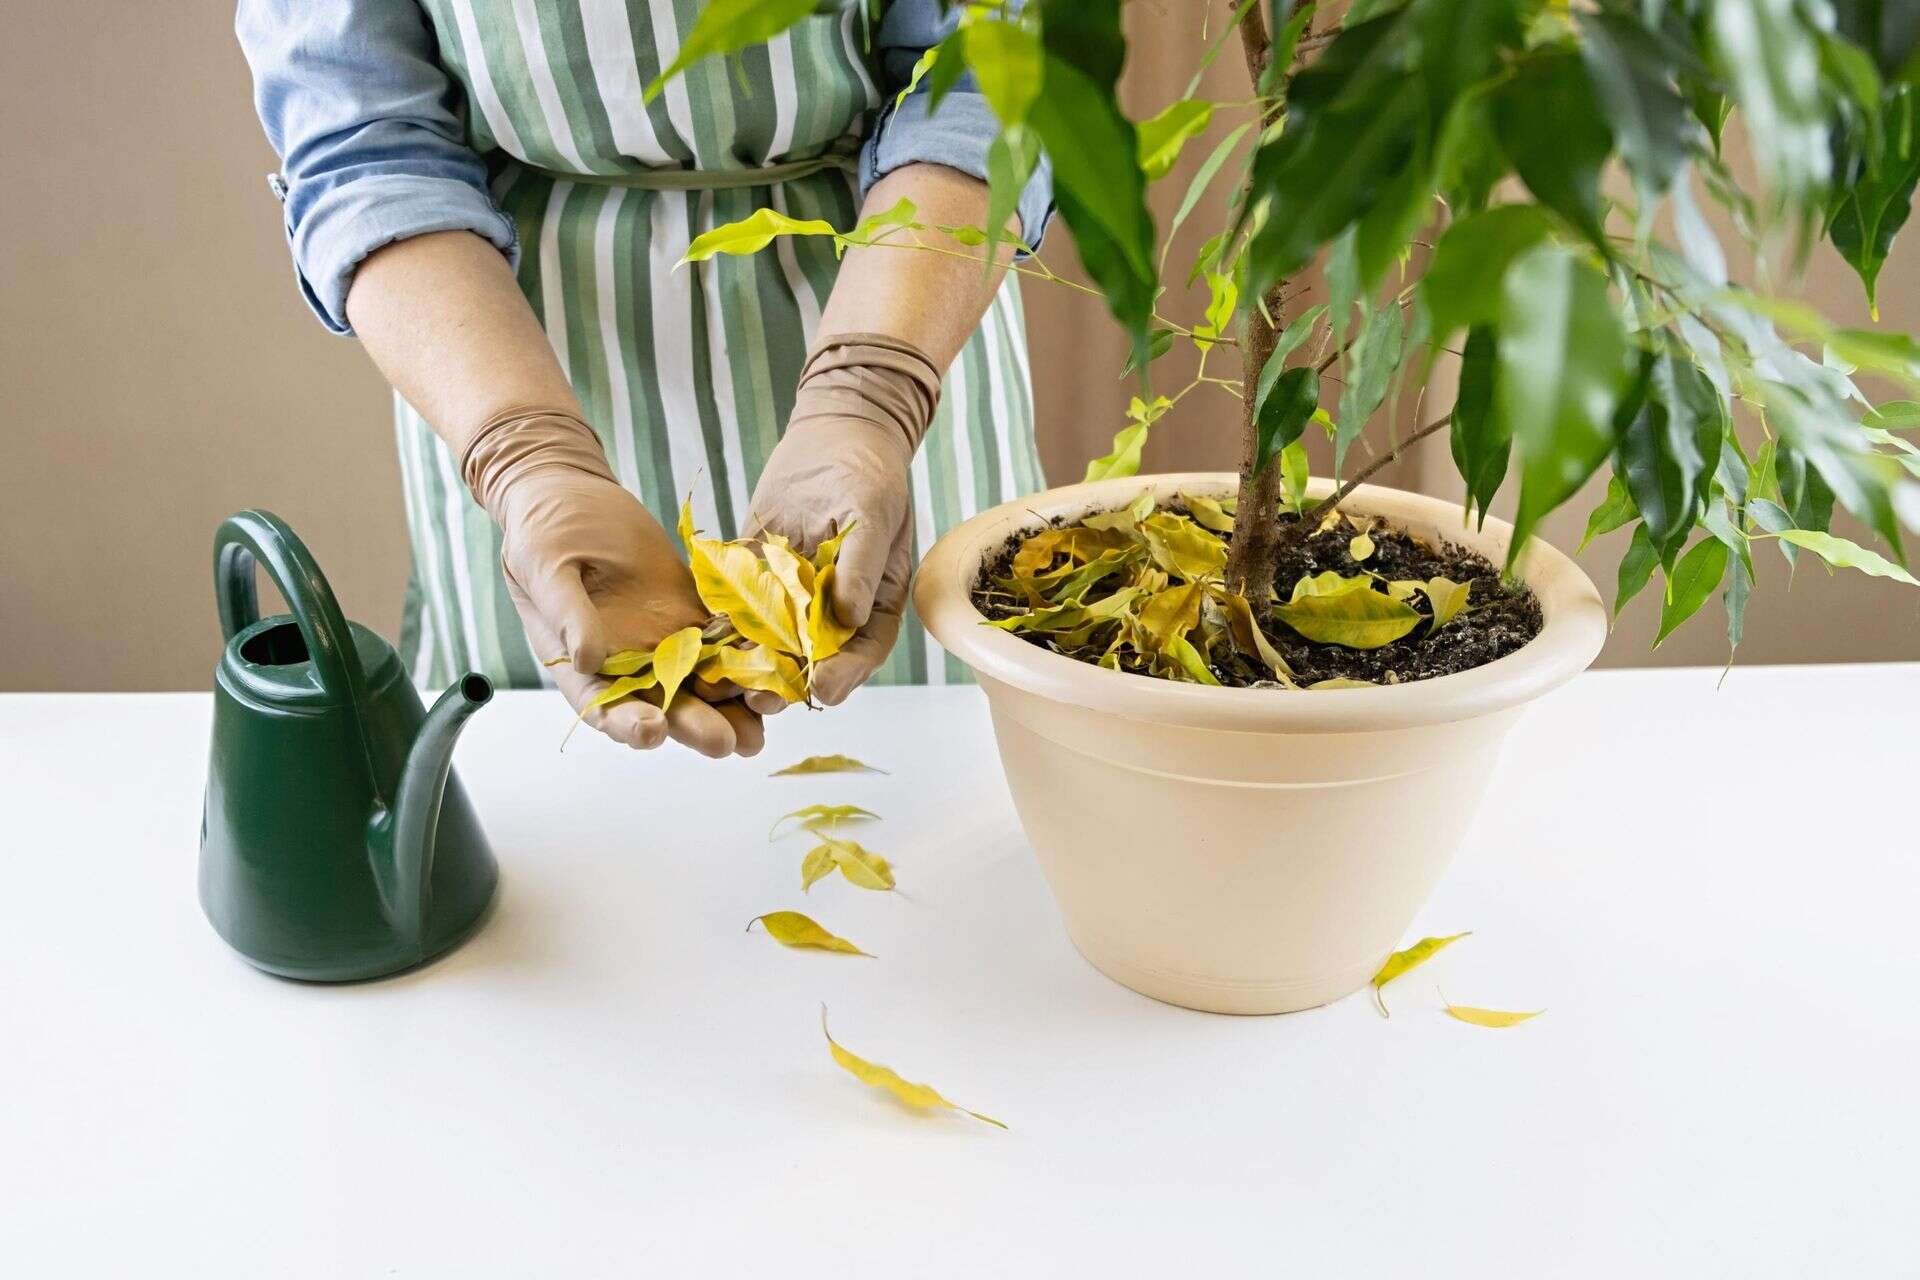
[(1447, 597), (825, 634), (1249, 639), (1356, 617), (1077, 542), (791, 929), (734, 581), (816, 866), (816, 816), (1490, 1017), (1413, 957), (1170, 614), (1181, 650), (923, 1096), (674, 660), (1343, 682), (826, 764), (759, 668), (1208, 513), (861, 866), (1360, 547), (1182, 547)]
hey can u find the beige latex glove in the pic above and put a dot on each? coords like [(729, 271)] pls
[(591, 572), (864, 403)]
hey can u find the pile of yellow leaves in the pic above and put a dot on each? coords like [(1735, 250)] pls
[(1143, 590), (773, 622)]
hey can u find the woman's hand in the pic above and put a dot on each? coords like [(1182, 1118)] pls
[(592, 572), (863, 405)]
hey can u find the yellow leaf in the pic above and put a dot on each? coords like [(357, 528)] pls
[(1249, 639), (1350, 614), (791, 929), (796, 576), (757, 667), (685, 527), (1182, 547), (753, 233), (1077, 542), (674, 660), (734, 581), (858, 864), (1343, 682), (626, 662), (624, 687), (1360, 547), (826, 764), (1170, 614), (825, 633), (1413, 957), (816, 816), (1208, 513), (1490, 1017), (1447, 597), (923, 1096), (829, 551), (816, 866), (1181, 650)]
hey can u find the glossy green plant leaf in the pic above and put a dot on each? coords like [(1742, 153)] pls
[(1636, 567), (1007, 63), (1768, 56), (1551, 126), (725, 26), (1284, 413), (1633, 76), (1375, 359), (1696, 577), (1615, 511), (1561, 367), (1011, 159), (1842, 554), (1481, 438), (1162, 137), (1462, 285)]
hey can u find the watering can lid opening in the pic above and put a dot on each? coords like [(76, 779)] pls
[(269, 662)]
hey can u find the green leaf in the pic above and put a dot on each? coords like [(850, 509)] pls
[(1008, 63), (1739, 591), (1011, 159), (1614, 511), (725, 26), (1695, 578), (1162, 137), (1634, 80), (1202, 179), (1462, 284), (1768, 56), (1370, 368), (1480, 437), (1552, 128), (1293, 474), (1665, 450), (1842, 554), (753, 233), (1124, 460), (1635, 568), (1356, 617), (1561, 366), (1284, 412), (1098, 186)]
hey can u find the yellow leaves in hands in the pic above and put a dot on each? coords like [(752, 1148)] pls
[(822, 817), (733, 580), (626, 662), (1489, 1017), (1347, 611), (792, 929), (825, 764), (1413, 957), (825, 633), (921, 1096)]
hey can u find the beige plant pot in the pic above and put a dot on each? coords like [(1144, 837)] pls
[(1245, 850)]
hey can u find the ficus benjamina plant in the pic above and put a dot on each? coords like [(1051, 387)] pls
[(1514, 184)]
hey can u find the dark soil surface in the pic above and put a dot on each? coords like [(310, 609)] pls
[(1500, 617)]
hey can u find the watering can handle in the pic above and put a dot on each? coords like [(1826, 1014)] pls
[(257, 535)]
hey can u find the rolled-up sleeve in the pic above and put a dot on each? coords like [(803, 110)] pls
[(368, 129), (957, 134)]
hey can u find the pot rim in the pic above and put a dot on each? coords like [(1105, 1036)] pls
[(1574, 623)]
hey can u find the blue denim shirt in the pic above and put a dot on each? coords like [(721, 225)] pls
[(368, 129)]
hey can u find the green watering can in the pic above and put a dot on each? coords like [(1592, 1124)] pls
[(335, 843)]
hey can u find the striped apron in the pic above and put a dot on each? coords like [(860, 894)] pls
[(687, 376)]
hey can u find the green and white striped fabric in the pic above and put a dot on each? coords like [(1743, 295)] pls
[(686, 375)]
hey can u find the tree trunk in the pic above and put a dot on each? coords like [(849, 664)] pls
[(1253, 556)]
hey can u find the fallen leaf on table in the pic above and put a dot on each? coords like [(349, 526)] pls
[(816, 866), (860, 865), (826, 764), (816, 816), (1488, 1017), (923, 1096), (791, 929), (1412, 958)]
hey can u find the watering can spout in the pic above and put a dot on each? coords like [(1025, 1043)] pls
[(403, 839)]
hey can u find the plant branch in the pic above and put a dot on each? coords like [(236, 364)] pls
[(1361, 476)]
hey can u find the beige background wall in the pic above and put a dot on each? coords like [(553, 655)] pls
[(157, 371)]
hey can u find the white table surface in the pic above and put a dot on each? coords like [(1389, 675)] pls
[(613, 1079)]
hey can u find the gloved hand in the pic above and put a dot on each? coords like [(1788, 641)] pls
[(864, 403), (592, 572)]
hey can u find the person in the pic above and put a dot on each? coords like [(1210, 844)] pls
[(480, 192)]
